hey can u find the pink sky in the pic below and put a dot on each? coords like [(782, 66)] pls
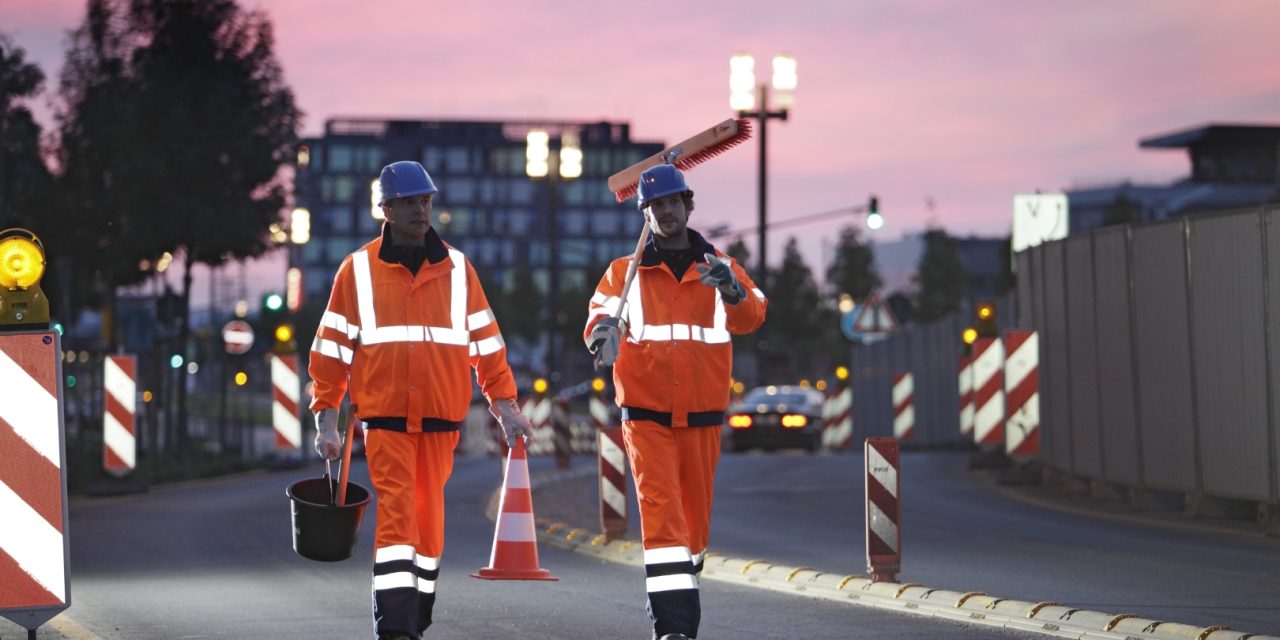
[(964, 103)]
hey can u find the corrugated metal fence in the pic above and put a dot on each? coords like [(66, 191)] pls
[(1158, 352)]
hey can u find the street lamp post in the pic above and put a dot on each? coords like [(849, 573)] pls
[(565, 165), (751, 100)]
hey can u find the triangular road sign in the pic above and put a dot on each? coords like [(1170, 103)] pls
[(874, 316)]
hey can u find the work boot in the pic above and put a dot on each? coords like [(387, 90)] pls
[(674, 636), (394, 636)]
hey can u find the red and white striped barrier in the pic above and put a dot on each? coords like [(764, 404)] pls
[(1021, 385), (538, 410), (884, 512), (285, 387), (119, 415), (837, 419), (613, 483), (988, 392), (965, 378), (34, 584), (904, 406)]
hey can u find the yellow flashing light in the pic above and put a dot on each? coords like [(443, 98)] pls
[(970, 334), (597, 385), (21, 268), (820, 385), (284, 333), (241, 378), (842, 372), (540, 386)]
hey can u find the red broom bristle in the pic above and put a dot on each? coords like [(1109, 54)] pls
[(686, 162)]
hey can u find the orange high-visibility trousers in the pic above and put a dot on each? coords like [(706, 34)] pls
[(409, 471), (674, 473)]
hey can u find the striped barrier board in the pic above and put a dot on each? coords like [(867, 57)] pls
[(988, 392), (837, 419), (904, 411), (613, 483), (965, 378), (1022, 391), (538, 410), (285, 390), (119, 414), (884, 513), (34, 544)]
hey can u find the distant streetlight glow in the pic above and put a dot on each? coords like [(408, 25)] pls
[(162, 265), (570, 156), (300, 226), (784, 80), (742, 82), (537, 154), (875, 221), (375, 196)]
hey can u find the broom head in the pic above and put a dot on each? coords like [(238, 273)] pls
[(694, 151)]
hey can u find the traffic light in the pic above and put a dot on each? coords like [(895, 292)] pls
[(272, 302), (874, 219), (987, 325), (22, 303)]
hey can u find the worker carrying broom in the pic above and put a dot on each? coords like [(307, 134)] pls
[(673, 361), (407, 321)]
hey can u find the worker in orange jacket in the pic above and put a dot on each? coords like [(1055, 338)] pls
[(407, 321), (672, 366)]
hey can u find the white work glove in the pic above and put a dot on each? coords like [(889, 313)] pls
[(717, 273), (514, 424), (328, 440), (605, 340)]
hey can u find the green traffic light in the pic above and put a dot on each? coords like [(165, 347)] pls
[(273, 302), (175, 361), (71, 381)]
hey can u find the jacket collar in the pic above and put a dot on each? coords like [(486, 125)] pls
[(434, 248), (650, 257)]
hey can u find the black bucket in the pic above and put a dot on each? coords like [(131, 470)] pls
[(320, 531)]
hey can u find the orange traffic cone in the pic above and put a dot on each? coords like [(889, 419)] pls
[(515, 540)]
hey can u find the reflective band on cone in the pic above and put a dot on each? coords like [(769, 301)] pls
[(1021, 385), (119, 415), (515, 539)]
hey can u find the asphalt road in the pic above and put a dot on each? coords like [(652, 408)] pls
[(213, 560)]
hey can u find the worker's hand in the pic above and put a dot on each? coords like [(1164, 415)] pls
[(514, 424), (606, 339), (328, 440), (717, 273)]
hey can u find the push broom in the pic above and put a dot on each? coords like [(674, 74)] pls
[(685, 155)]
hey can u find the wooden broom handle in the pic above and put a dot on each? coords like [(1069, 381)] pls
[(345, 474)]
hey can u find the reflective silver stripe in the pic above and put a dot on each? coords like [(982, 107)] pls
[(670, 583), (479, 319), (759, 293), (401, 580), (664, 555), (487, 346), (332, 349), (718, 333), (393, 553), (427, 562), (371, 333), (339, 322), (426, 586)]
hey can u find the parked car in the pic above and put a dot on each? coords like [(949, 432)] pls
[(775, 417)]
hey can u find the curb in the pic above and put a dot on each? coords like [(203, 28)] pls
[(1047, 618)]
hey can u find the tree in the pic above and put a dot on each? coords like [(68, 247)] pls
[(853, 270), (1122, 210), (797, 317), (942, 279), (24, 179), (738, 251)]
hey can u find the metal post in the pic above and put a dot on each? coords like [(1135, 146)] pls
[(553, 276), (762, 114)]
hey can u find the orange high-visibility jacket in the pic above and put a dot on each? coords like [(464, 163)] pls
[(677, 357), (407, 343)]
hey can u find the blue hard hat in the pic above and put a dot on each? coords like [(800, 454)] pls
[(403, 179), (660, 181)]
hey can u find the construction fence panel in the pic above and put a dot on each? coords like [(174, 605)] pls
[(1272, 274), (1055, 417), (1036, 261), (1228, 332), (1025, 276), (1164, 360), (1086, 443), (1117, 406)]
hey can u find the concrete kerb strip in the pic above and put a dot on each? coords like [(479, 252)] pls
[(1047, 618)]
